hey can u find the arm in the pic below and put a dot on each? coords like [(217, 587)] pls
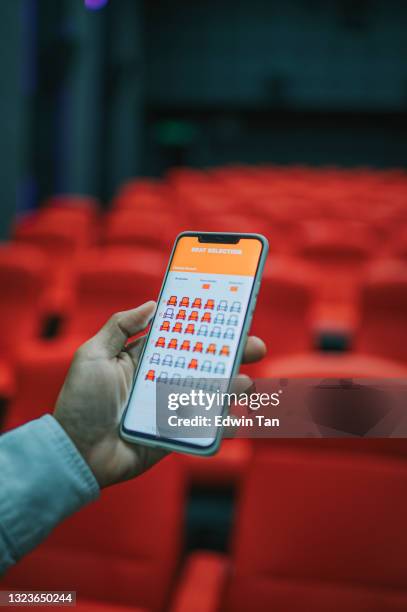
[(43, 479)]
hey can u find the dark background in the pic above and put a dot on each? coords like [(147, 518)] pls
[(90, 98)]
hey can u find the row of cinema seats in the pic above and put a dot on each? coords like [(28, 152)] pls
[(309, 534)]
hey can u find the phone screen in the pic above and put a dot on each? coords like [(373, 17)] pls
[(198, 323)]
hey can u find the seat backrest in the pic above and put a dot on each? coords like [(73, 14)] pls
[(22, 279), (151, 229), (383, 312), (320, 535), (282, 316), (124, 548), (110, 281)]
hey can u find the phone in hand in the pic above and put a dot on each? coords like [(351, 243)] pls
[(197, 335)]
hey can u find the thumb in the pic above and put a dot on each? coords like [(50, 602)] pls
[(112, 338)]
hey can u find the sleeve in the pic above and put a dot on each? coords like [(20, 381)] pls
[(43, 479)]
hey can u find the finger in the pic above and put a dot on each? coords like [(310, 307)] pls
[(112, 338), (134, 349), (241, 384), (255, 350)]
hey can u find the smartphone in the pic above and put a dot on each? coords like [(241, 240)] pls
[(199, 329)]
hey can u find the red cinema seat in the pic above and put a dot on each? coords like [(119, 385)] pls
[(39, 375), (283, 311), (382, 328), (111, 280), (310, 535), (22, 278), (338, 253), (336, 366), (151, 229), (123, 549), (61, 235)]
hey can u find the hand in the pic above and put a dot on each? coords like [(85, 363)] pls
[(96, 390)]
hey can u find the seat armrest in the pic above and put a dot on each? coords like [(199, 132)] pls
[(202, 582)]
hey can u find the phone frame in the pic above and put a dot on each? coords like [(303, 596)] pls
[(181, 446)]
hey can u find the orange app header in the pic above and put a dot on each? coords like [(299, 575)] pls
[(215, 258)]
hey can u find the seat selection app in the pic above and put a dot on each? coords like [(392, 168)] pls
[(198, 324)]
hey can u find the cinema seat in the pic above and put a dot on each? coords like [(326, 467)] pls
[(310, 535), (39, 375), (151, 229), (336, 366), (122, 550), (382, 328), (62, 235), (22, 278), (110, 280), (283, 313), (338, 254)]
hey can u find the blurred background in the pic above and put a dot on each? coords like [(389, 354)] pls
[(125, 122)]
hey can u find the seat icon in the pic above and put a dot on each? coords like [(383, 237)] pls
[(233, 320), (215, 332), (179, 362), (172, 301), (173, 344), (219, 368), (197, 303), (206, 366), (190, 328), (198, 348), (163, 377), (169, 313), (193, 316), (210, 304), (184, 302), (155, 358), (185, 346), (193, 364), (181, 314), (160, 342), (219, 318), (188, 381), (150, 375), (224, 351), (175, 379), (167, 361), (203, 330), (177, 328), (211, 349), (206, 317), (223, 305), (165, 326), (229, 334), (236, 307)]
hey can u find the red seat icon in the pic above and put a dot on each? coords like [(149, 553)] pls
[(225, 350), (172, 301), (184, 302), (165, 326), (211, 349), (206, 317), (190, 328), (193, 316), (177, 328), (198, 348), (193, 364), (160, 342), (150, 375), (181, 314), (197, 303), (210, 304), (186, 345), (173, 344)]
